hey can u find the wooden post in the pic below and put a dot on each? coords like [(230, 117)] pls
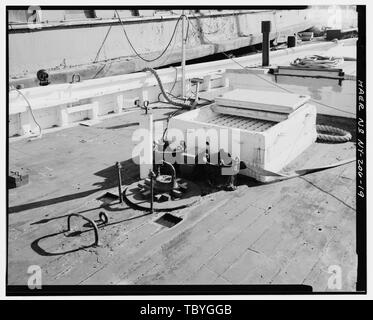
[(146, 161), (266, 29), (63, 119)]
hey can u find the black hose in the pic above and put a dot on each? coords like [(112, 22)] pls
[(175, 103), (164, 50), (167, 95), (180, 105)]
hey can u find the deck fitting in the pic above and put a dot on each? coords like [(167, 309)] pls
[(138, 194), (168, 220)]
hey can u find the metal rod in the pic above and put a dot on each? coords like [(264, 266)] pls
[(151, 174), (197, 91), (266, 29), (92, 223), (183, 40), (119, 167)]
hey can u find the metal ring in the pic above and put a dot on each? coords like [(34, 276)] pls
[(74, 76), (103, 217)]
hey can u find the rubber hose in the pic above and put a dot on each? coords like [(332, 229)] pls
[(175, 103), (332, 134)]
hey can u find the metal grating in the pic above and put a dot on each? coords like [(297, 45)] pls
[(168, 220), (241, 122), (108, 197)]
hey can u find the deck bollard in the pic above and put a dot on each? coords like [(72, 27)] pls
[(266, 29)]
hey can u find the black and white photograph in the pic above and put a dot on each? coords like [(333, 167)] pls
[(185, 149)]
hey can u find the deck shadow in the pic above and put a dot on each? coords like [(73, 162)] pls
[(48, 202), (110, 175), (133, 124), (39, 250)]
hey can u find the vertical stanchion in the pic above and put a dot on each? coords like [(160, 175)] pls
[(119, 167), (266, 29), (183, 40), (151, 175)]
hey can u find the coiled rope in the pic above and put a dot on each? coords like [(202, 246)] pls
[(317, 61), (332, 134)]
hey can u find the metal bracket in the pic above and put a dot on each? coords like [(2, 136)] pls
[(73, 78), (145, 105)]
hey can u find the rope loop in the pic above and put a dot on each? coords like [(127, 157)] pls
[(332, 134)]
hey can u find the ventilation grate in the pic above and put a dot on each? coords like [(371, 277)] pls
[(108, 197), (168, 220)]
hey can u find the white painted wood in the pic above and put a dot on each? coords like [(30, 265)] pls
[(83, 107), (105, 90), (224, 80), (258, 70), (65, 112), (146, 159), (262, 100), (263, 144), (144, 97), (14, 124), (63, 116), (309, 72), (288, 139), (93, 113), (206, 85), (25, 123), (55, 95), (118, 108), (248, 113), (328, 91), (130, 102), (238, 122), (212, 78)]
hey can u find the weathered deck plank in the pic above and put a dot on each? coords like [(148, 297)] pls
[(256, 234)]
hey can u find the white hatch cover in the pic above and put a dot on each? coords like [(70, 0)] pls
[(262, 100)]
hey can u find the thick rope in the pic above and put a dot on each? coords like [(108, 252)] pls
[(332, 134), (317, 61)]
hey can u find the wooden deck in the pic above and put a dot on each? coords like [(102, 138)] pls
[(288, 232)]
